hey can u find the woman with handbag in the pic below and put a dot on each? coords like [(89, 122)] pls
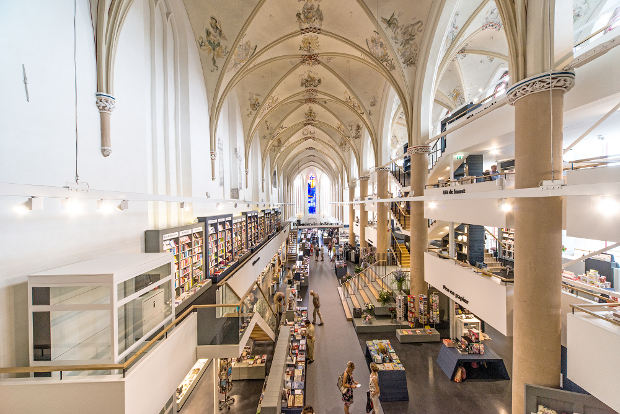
[(348, 383), (373, 388)]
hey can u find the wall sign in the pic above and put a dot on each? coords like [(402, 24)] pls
[(455, 295), (453, 191)]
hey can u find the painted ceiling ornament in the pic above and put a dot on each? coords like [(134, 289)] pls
[(212, 42), (343, 144), (254, 103), (404, 37), (309, 44), (457, 97), (310, 116), (379, 50), (310, 80), (244, 52), (373, 101), (270, 103), (454, 29), (348, 99), (308, 131), (354, 130), (311, 93), (310, 17), (310, 60), (492, 20)]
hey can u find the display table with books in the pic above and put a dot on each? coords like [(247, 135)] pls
[(479, 366), (417, 335), (392, 376), (248, 366), (293, 393)]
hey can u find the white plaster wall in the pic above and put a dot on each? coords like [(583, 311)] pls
[(160, 139)]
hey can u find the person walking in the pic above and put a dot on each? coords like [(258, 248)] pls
[(278, 301), (373, 387), (316, 254), (322, 257), (348, 383), (317, 305), (310, 339)]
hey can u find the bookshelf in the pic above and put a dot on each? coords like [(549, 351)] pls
[(251, 220), (507, 237), (185, 243), (261, 227), (239, 238)]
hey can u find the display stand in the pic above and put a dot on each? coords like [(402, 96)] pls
[(248, 366), (271, 399), (392, 375), (417, 335), (449, 359)]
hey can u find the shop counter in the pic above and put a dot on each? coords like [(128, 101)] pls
[(417, 335), (449, 359)]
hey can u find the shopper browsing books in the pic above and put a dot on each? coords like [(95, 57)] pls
[(317, 305), (348, 383), (308, 410), (310, 338)]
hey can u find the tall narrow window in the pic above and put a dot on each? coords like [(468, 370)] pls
[(312, 194)]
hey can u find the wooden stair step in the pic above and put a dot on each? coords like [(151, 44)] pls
[(370, 287), (364, 296), (347, 311)]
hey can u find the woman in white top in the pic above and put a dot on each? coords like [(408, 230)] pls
[(373, 387)]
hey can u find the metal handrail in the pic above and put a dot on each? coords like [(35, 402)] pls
[(585, 308), (470, 178), (496, 239), (474, 268), (588, 292), (130, 361)]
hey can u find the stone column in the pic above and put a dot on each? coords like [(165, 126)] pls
[(351, 213), (383, 237), (418, 224), (538, 102), (363, 212), (105, 103)]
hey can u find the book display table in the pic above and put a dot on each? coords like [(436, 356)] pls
[(491, 365), (417, 335), (392, 376)]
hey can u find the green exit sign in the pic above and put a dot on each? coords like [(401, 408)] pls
[(458, 156)]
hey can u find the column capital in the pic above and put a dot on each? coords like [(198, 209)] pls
[(105, 102), (364, 178), (561, 80), (418, 149)]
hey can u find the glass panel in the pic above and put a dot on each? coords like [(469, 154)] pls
[(131, 286), (71, 295), (139, 316), (71, 335)]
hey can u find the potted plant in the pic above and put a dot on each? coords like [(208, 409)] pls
[(400, 278), (367, 315), (384, 297), (358, 269)]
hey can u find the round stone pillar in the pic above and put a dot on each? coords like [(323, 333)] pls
[(538, 102), (418, 224), (383, 237), (351, 213), (363, 212)]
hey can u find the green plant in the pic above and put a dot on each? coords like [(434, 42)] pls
[(384, 297), (400, 278), (369, 309), (358, 269)]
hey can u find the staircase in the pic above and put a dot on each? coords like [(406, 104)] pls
[(403, 254), (400, 215), (363, 289), (491, 262)]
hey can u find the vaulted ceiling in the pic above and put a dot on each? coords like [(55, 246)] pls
[(312, 77)]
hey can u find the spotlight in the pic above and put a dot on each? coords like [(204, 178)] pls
[(73, 206), (105, 207), (124, 205), (432, 205), (182, 204), (32, 203), (607, 206), (494, 151), (506, 207)]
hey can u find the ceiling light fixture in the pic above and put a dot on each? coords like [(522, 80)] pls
[(32, 203), (124, 205), (506, 207), (432, 205), (607, 206), (73, 206), (105, 207)]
